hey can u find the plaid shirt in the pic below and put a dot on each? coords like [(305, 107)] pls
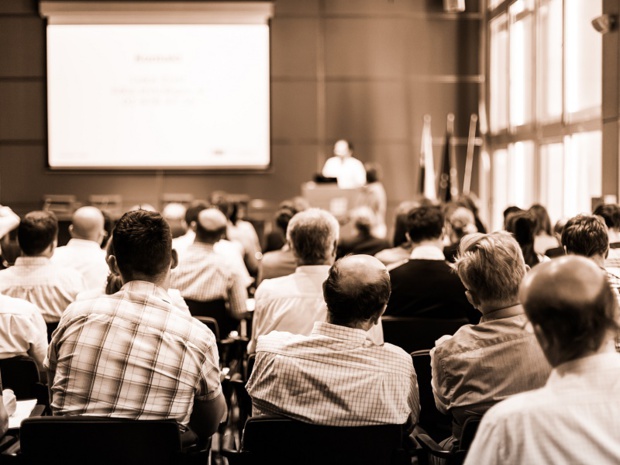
[(131, 355), (205, 275), (45, 284), (335, 376)]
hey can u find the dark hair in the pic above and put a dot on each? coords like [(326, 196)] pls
[(586, 235), (577, 327), (283, 217), (541, 217), (521, 225), (610, 212), (509, 211), (36, 232), (142, 244), (191, 214), (347, 303), (424, 223)]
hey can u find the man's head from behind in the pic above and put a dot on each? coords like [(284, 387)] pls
[(491, 267), (356, 291), (210, 226), (88, 224), (570, 306), (313, 236), (425, 224), (37, 233), (586, 235), (142, 246)]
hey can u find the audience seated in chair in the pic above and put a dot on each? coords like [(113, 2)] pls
[(204, 275), (336, 376), (610, 212), (22, 330), (83, 252), (575, 417), (425, 285), (586, 235), (295, 302), (483, 364), (363, 241), (133, 354), (34, 277)]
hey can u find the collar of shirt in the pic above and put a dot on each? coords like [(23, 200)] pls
[(83, 243), (313, 269), (343, 333), (426, 252), (32, 261), (584, 365), (202, 245), (145, 287), (505, 312)]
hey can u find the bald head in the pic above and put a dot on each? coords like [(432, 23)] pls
[(570, 302), (210, 225), (88, 223), (356, 290)]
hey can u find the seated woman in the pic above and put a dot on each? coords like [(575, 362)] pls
[(543, 235)]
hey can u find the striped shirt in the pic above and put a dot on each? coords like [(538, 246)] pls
[(48, 286), (204, 275), (131, 355), (336, 376)]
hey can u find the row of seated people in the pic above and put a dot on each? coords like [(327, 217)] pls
[(359, 284)]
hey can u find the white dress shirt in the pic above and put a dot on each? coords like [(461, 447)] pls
[(87, 258), (575, 418), (293, 304), (22, 330), (349, 171)]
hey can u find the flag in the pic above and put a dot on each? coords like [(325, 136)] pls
[(426, 185), (448, 179)]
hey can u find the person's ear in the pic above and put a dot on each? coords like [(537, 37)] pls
[(71, 230), (408, 237), (113, 265), (174, 259), (472, 298), (192, 226), (335, 248), (546, 344)]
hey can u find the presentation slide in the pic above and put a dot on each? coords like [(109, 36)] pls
[(158, 96)]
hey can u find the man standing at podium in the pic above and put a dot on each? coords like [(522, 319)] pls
[(349, 171)]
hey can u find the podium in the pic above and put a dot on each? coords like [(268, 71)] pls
[(331, 198)]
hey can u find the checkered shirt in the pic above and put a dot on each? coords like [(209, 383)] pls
[(131, 355), (204, 275), (45, 284), (335, 376)]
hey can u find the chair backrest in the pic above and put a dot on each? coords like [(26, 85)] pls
[(217, 309), (21, 375), (99, 441), (51, 327), (277, 440), (210, 323), (435, 423), (412, 333)]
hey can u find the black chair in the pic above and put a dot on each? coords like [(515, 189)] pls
[(277, 440), (458, 454), (22, 376), (51, 327), (217, 309), (76, 440), (210, 323), (435, 423), (417, 333)]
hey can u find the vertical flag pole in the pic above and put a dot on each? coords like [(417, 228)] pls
[(469, 161)]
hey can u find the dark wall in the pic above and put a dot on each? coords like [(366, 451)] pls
[(367, 70)]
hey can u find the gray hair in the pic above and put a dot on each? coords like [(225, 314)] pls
[(492, 266), (312, 235)]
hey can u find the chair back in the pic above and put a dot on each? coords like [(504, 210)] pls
[(98, 441), (436, 424), (278, 440), (51, 327), (22, 376), (210, 323), (413, 333), (217, 309)]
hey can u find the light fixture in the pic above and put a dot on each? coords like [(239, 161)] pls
[(604, 23)]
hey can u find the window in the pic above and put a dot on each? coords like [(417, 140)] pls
[(545, 75)]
